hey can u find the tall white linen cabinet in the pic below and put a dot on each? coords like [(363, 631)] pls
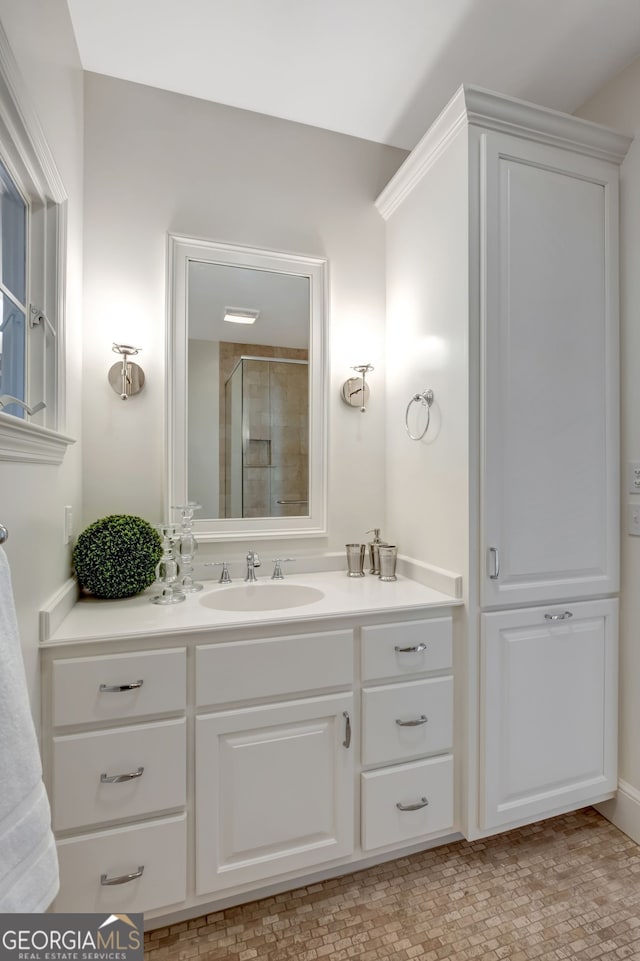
[(502, 298)]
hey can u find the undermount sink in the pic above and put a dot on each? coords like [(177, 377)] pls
[(261, 597)]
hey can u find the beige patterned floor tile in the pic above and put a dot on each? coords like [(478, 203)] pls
[(566, 888)]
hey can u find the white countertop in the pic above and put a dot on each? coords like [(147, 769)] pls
[(95, 619)]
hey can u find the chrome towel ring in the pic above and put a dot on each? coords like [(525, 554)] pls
[(426, 399)]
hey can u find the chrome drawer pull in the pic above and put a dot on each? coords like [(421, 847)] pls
[(422, 803), (416, 722), (105, 881), (494, 563), (417, 649), (117, 688), (558, 617), (347, 729), (117, 778)]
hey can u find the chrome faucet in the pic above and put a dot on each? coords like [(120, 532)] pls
[(253, 561)]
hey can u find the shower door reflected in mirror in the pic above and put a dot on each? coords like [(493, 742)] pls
[(247, 431), (266, 438)]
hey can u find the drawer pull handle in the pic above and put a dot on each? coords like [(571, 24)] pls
[(415, 722), (117, 688), (105, 880), (422, 803), (347, 729), (416, 649), (118, 778), (558, 617)]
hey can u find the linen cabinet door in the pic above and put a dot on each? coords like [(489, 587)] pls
[(274, 790), (550, 448), (549, 710)]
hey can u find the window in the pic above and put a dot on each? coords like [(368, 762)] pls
[(13, 294), (32, 268)]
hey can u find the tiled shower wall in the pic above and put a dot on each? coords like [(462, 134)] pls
[(275, 431)]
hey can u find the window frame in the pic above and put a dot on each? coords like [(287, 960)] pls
[(29, 161)]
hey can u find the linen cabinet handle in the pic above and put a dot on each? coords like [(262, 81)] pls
[(118, 688), (105, 880), (347, 729), (494, 563), (558, 617), (118, 778), (416, 649), (415, 722), (422, 803)]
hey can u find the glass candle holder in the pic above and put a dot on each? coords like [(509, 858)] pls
[(167, 568), (187, 546)]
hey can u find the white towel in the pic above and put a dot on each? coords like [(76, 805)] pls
[(28, 861)]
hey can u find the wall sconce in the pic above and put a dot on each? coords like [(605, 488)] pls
[(355, 391), (126, 378)]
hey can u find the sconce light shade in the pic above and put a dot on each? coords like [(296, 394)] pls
[(126, 378), (355, 391)]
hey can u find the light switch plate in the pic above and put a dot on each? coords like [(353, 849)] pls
[(633, 477), (633, 518)]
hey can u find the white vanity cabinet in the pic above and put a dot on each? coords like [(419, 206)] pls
[(274, 781), (550, 708), (217, 763), (116, 768), (407, 715), (549, 380), (502, 285), (274, 790)]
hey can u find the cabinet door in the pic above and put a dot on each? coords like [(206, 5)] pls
[(549, 710), (550, 445), (274, 790)]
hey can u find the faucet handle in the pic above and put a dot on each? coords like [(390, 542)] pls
[(225, 577), (253, 558), (277, 568)]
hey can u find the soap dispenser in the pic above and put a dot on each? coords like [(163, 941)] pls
[(374, 554)]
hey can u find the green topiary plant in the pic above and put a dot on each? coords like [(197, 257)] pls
[(117, 556)]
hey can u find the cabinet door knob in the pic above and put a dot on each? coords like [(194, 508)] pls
[(118, 688), (118, 778), (347, 729), (416, 649), (422, 803), (558, 617), (105, 880), (415, 722)]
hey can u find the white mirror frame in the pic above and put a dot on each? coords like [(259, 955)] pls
[(181, 252)]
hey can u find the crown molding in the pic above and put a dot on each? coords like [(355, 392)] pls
[(477, 107)]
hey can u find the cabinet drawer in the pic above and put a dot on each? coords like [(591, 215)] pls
[(243, 670), (384, 740), (409, 785), (424, 646), (157, 847), (80, 797), (77, 681)]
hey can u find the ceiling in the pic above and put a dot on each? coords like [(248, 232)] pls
[(282, 300), (378, 69)]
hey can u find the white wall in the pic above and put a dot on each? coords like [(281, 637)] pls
[(618, 105), (427, 348), (158, 162), (32, 497)]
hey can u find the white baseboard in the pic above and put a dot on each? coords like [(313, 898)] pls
[(624, 810)]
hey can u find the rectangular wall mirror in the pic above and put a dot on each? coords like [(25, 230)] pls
[(246, 389)]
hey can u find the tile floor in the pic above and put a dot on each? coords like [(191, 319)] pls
[(568, 887)]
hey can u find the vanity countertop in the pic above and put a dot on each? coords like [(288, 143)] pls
[(97, 619)]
